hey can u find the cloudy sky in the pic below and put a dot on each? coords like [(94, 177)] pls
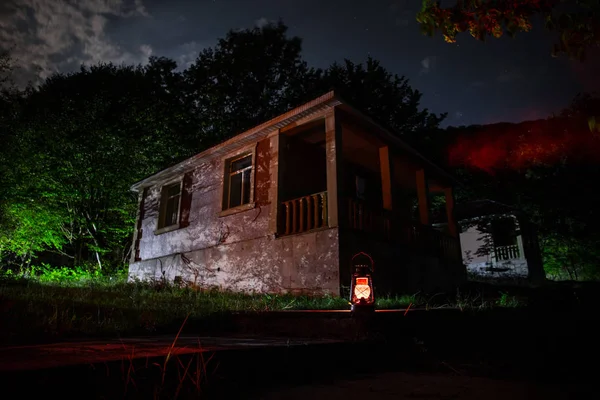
[(500, 80)]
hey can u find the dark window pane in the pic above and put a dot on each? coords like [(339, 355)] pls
[(504, 232), (246, 187), (171, 209), (241, 163), (173, 190), (235, 190)]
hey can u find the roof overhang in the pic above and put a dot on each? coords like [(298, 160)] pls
[(389, 137), (317, 106), (314, 108)]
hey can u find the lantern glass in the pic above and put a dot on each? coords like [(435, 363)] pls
[(362, 290)]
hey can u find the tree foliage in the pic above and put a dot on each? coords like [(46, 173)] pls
[(386, 97), (577, 22), (249, 77), (548, 168), (78, 142)]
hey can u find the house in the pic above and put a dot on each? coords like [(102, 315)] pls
[(284, 206), (499, 242)]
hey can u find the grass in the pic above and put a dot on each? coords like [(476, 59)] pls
[(55, 303)]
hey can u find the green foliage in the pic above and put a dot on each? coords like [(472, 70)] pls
[(29, 228), (567, 258), (508, 300), (576, 22)]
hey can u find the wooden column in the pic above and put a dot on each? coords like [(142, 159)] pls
[(423, 196), (333, 148), (274, 188), (452, 226), (386, 177)]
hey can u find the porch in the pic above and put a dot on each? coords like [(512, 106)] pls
[(338, 172)]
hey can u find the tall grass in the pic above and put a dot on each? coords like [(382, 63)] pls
[(64, 301)]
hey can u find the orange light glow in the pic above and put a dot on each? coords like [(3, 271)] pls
[(362, 281), (362, 291)]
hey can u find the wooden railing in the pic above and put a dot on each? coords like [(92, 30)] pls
[(506, 252), (363, 218), (421, 238), (304, 213), (432, 242)]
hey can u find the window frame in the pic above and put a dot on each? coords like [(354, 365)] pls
[(162, 204), (226, 180)]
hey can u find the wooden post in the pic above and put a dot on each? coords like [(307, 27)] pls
[(274, 188), (386, 177), (333, 148), (423, 196), (452, 226)]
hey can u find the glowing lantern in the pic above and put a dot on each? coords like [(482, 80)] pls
[(361, 288)]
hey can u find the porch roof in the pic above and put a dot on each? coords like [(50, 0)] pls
[(483, 208), (320, 105)]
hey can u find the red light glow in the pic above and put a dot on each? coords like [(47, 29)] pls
[(519, 146)]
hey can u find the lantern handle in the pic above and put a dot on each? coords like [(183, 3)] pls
[(365, 254)]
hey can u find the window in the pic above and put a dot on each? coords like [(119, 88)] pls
[(237, 188), (169, 205), (504, 232)]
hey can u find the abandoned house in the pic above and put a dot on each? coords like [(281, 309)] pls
[(284, 206), (499, 242)]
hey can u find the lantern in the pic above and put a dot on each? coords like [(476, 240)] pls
[(361, 287)]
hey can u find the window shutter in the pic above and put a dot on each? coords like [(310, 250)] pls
[(186, 200)]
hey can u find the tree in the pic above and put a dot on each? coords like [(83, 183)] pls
[(256, 74), (249, 77), (548, 168), (577, 22), (78, 142), (386, 97)]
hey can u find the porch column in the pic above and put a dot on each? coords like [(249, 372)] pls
[(452, 227), (386, 177), (423, 196), (333, 148), (274, 187)]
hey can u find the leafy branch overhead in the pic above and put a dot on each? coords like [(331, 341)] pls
[(577, 22)]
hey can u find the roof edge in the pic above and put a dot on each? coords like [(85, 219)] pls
[(328, 99)]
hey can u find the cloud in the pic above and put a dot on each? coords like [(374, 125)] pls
[(262, 22), (146, 50), (188, 52), (49, 36), (427, 64)]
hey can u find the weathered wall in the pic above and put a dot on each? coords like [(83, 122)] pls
[(471, 239), (235, 251), (306, 263)]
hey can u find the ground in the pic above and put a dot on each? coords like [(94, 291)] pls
[(539, 348), (402, 385)]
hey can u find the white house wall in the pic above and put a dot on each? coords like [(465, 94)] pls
[(471, 240), (237, 251)]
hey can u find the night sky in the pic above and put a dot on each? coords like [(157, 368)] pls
[(500, 80)]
